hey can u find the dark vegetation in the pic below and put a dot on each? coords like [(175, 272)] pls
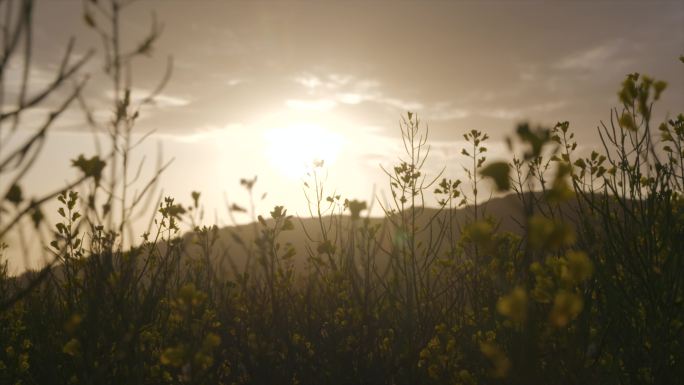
[(579, 281)]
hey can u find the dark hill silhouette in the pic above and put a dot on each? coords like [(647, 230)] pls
[(234, 242), (231, 251)]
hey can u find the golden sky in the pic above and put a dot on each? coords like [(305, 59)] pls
[(259, 87)]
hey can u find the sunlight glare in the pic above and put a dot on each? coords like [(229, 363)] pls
[(293, 149)]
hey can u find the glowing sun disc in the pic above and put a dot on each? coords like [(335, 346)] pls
[(292, 150)]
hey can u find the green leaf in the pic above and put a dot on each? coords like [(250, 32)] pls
[(627, 122), (355, 208), (195, 198), (659, 86), (92, 167), (262, 221), (37, 216), (278, 212), (326, 247), (14, 195), (498, 171), (291, 252), (89, 20), (237, 208)]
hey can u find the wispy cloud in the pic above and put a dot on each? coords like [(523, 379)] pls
[(509, 113), (310, 104), (445, 111), (331, 81), (202, 134), (502, 113), (160, 100), (351, 98), (335, 88), (234, 82), (400, 104), (592, 59), (164, 100), (38, 79)]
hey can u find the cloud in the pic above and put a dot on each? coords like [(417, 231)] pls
[(308, 81), (359, 92), (234, 82), (202, 134), (310, 104), (446, 111), (160, 100), (351, 98), (38, 77), (548, 106), (163, 100), (503, 113), (400, 104), (335, 89), (509, 113), (591, 59), (330, 82)]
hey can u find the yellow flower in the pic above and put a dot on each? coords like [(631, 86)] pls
[(566, 306), (72, 348), (514, 305), (578, 268), (173, 356), (466, 377), (502, 365)]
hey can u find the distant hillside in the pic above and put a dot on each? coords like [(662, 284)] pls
[(230, 251)]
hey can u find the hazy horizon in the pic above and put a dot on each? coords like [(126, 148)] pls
[(258, 88)]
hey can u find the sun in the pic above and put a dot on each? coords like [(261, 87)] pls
[(292, 150)]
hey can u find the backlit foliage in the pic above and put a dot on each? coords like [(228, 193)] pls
[(587, 289)]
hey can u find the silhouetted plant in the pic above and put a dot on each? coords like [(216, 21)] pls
[(588, 289)]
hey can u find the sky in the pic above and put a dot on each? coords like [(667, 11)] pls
[(260, 88)]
